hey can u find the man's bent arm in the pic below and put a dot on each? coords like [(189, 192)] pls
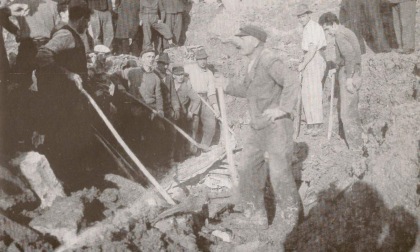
[(289, 81)]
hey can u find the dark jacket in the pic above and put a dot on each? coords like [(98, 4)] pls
[(128, 18), (169, 95), (269, 84), (173, 6), (100, 5), (347, 50)]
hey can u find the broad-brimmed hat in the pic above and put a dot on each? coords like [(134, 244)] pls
[(254, 31), (178, 70), (147, 50), (302, 9), (164, 58), (201, 54)]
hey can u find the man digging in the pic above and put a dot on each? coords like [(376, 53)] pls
[(349, 77), (271, 90)]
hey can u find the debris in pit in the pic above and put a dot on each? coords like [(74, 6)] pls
[(54, 223), (36, 169)]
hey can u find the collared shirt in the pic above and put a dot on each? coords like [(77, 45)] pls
[(41, 21), (173, 6), (347, 49), (202, 81), (313, 35), (187, 96)]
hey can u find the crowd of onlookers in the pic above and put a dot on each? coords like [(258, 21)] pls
[(65, 45)]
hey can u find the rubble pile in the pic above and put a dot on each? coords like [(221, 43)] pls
[(363, 200)]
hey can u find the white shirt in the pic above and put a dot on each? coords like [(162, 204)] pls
[(202, 80), (313, 34)]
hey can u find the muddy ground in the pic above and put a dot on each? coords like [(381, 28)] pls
[(353, 201)]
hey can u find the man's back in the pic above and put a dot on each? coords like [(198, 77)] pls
[(348, 47)]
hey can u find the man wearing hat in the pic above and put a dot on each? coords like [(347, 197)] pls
[(171, 106), (145, 85), (202, 81), (189, 108), (271, 90), (312, 69)]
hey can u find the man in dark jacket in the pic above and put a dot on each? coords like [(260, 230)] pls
[(171, 104), (271, 90), (62, 72)]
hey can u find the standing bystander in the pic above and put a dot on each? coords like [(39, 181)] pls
[(312, 69), (349, 77), (202, 81)]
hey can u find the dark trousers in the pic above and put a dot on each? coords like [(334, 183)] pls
[(405, 24), (174, 22), (127, 48), (349, 111), (151, 21), (101, 23), (208, 122), (276, 139)]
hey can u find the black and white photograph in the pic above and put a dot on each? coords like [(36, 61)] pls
[(210, 125)]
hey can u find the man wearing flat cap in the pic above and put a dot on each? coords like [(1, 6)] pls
[(145, 85), (190, 108), (312, 69), (202, 81), (171, 106), (271, 90)]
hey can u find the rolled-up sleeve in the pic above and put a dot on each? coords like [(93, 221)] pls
[(211, 89), (286, 78), (61, 40), (195, 100)]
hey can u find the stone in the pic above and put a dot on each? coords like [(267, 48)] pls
[(37, 170), (62, 220)]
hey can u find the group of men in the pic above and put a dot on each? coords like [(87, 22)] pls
[(270, 87), (127, 26), (350, 40), (186, 101), (313, 68)]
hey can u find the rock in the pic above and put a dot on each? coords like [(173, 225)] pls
[(19, 233), (129, 191), (36, 168), (222, 235), (62, 220), (13, 248)]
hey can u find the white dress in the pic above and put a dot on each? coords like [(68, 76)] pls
[(312, 76)]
